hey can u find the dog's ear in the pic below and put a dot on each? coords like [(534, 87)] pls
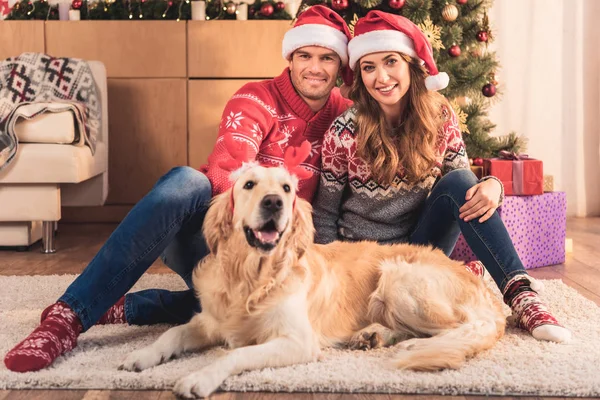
[(218, 221), (303, 230)]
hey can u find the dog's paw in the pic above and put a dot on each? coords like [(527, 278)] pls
[(198, 385), (142, 359), (366, 341)]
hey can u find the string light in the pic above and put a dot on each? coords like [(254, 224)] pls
[(32, 4)]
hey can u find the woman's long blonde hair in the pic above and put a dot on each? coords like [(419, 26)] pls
[(409, 148)]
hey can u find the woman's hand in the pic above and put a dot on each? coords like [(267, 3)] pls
[(482, 200)]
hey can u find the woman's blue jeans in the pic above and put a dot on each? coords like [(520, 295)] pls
[(440, 226), (167, 222)]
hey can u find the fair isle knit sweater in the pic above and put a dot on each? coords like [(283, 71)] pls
[(270, 116), (350, 205)]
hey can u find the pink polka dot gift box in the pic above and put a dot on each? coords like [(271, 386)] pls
[(537, 226)]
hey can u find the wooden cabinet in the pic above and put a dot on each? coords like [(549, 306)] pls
[(18, 37), (150, 116), (149, 49), (236, 49)]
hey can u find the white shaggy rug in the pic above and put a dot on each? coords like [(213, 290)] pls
[(518, 365)]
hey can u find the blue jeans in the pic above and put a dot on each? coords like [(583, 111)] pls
[(440, 226), (168, 222)]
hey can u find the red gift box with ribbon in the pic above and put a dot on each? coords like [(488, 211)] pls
[(520, 174)]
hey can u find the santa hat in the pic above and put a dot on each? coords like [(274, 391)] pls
[(318, 26), (379, 31)]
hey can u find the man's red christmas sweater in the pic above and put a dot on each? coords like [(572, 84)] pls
[(270, 116)]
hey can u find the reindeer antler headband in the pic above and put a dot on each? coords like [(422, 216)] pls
[(241, 160)]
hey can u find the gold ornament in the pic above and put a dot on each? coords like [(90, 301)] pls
[(493, 79), (352, 23), (461, 116), (230, 7), (450, 12), (433, 33)]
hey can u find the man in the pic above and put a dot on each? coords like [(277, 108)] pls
[(270, 115)]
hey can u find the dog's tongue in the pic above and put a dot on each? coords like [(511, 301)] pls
[(267, 236)]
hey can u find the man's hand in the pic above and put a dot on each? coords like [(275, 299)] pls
[(482, 200)]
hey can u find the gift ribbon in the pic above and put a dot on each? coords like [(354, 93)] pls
[(509, 155)]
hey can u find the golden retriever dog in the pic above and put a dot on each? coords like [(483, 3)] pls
[(275, 298)]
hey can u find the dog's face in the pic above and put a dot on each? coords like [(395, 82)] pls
[(263, 205), (260, 213)]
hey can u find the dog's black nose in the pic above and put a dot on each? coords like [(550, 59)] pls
[(272, 203)]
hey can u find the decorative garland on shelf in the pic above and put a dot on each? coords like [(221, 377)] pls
[(146, 10)]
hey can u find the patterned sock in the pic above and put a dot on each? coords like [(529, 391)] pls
[(56, 335), (530, 314), (115, 314), (475, 267)]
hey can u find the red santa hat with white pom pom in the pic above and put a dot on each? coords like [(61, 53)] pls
[(379, 31)]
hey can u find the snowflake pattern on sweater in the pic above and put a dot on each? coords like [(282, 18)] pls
[(351, 205), (270, 116)]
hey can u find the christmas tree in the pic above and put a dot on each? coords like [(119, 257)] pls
[(459, 33)]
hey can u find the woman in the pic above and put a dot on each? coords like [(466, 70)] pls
[(395, 167)]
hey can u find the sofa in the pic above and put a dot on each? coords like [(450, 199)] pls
[(47, 174)]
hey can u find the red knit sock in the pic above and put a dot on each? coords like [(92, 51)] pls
[(56, 335), (476, 267), (115, 314), (530, 314)]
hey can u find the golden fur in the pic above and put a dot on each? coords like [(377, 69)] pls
[(411, 147), (281, 307)]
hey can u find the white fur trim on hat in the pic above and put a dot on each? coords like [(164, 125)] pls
[(376, 41), (437, 82), (315, 35)]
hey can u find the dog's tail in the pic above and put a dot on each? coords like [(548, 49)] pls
[(451, 348)]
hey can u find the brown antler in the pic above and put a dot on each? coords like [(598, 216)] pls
[(294, 156)]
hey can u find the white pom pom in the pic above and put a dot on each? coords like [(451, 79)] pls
[(437, 82), (536, 285)]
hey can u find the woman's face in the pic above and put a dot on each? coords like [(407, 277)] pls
[(386, 76)]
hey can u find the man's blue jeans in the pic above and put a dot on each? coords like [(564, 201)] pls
[(167, 222), (440, 226)]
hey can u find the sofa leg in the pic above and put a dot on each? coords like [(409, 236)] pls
[(48, 245)]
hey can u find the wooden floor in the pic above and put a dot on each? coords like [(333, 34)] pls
[(77, 244)]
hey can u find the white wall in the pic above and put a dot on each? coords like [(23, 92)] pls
[(549, 51)]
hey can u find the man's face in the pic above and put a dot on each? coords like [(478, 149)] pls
[(314, 70)]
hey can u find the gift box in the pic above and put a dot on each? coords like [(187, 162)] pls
[(548, 183), (478, 171), (537, 226), (519, 174)]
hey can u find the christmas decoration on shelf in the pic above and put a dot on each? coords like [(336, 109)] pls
[(266, 9), (450, 12), (147, 10), (230, 8), (459, 32)]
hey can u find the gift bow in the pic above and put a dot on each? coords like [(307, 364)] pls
[(510, 155)]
